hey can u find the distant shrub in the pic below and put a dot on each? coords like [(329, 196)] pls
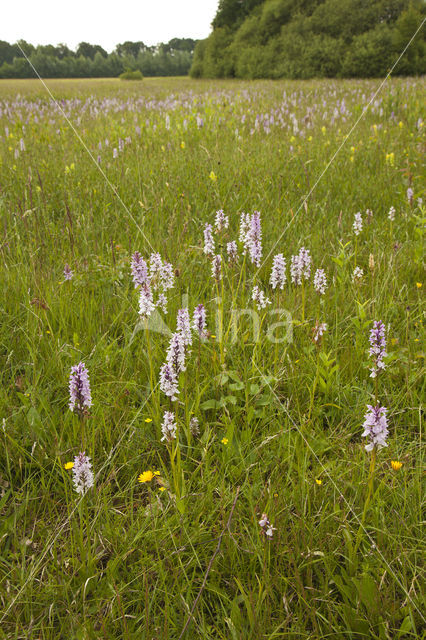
[(131, 75)]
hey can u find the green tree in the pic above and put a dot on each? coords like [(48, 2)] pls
[(90, 50), (414, 59)]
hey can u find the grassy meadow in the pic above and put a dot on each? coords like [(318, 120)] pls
[(113, 168)]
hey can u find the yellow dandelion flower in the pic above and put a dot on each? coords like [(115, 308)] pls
[(396, 465), (224, 441), (68, 465), (318, 481), (146, 476), (161, 488), (212, 336), (148, 419), (419, 285)]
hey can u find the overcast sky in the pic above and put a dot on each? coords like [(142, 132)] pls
[(105, 22)]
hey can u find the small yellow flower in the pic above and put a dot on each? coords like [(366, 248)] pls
[(275, 495), (148, 419), (400, 124), (146, 476), (318, 481), (396, 465), (161, 488), (182, 145), (213, 176), (212, 336), (156, 473), (390, 159), (68, 465), (323, 129), (419, 285), (47, 331), (224, 441)]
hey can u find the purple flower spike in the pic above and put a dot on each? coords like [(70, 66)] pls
[(259, 298), (80, 396), (320, 281), (168, 381), (255, 239), (244, 230), (300, 266), (176, 353), (68, 274), (183, 326), (208, 240), (375, 427), (139, 270), (278, 274), (168, 428), (217, 267), (221, 221), (232, 251), (82, 473), (146, 301), (377, 347), (199, 320)]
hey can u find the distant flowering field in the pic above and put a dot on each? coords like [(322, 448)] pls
[(212, 359)]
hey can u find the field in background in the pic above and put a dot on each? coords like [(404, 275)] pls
[(144, 167)]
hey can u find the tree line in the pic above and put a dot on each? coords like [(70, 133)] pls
[(173, 58), (312, 38)]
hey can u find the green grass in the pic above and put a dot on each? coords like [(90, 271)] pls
[(128, 560)]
